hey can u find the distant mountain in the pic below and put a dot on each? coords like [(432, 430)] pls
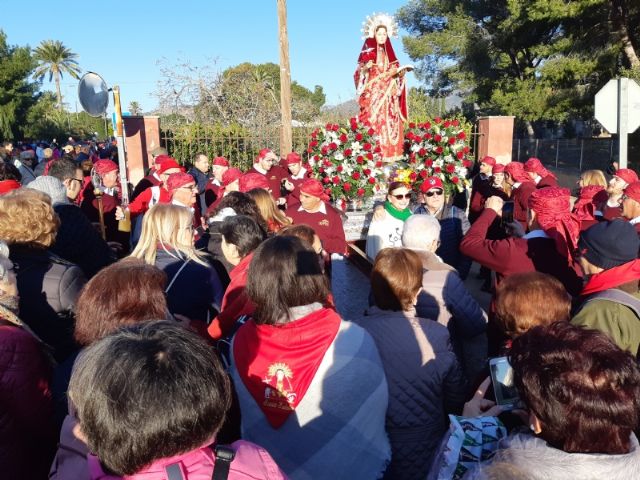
[(346, 109)]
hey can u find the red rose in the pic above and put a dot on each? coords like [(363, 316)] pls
[(460, 156), (356, 175), (438, 138), (378, 164), (437, 120), (343, 137), (412, 125), (326, 180), (466, 149), (423, 174), (335, 180), (358, 136), (340, 168), (366, 147), (422, 152), (437, 169), (316, 157), (326, 162), (371, 180), (353, 120), (439, 150), (462, 136), (371, 131), (413, 176), (428, 163), (313, 143), (321, 170), (467, 163), (427, 125), (446, 124), (450, 168), (333, 146), (336, 127), (455, 180), (409, 136), (452, 140), (348, 152), (328, 126), (367, 172), (360, 192), (377, 149), (455, 123), (327, 191), (369, 156), (354, 127), (309, 150), (314, 134), (346, 186), (360, 159), (324, 150)]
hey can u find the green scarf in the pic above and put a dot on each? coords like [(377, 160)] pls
[(394, 212)]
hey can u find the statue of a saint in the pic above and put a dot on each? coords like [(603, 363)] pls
[(380, 85)]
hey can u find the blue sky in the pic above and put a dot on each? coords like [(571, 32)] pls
[(123, 40)]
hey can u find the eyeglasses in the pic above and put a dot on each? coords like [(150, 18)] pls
[(192, 187), (431, 193), (406, 196), (76, 180)]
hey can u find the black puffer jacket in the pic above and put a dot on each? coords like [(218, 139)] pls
[(48, 287)]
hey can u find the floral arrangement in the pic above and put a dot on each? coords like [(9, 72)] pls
[(347, 160), (437, 148)]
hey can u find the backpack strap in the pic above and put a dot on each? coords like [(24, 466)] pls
[(617, 296), (184, 264), (224, 344), (224, 457)]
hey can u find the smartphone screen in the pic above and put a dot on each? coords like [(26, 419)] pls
[(507, 212), (503, 384)]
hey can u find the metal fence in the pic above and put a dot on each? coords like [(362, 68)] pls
[(574, 154)]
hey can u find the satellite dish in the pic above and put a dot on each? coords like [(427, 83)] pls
[(93, 94)]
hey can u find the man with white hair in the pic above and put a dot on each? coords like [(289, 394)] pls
[(444, 297)]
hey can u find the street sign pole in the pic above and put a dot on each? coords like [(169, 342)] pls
[(623, 124)]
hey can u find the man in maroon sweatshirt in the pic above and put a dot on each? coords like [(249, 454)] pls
[(481, 188)]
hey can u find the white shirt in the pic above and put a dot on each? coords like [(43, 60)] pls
[(633, 221), (260, 169), (300, 175), (537, 179), (322, 209)]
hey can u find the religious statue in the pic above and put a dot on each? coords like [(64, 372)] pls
[(380, 86)]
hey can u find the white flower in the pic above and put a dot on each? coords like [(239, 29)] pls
[(339, 156)]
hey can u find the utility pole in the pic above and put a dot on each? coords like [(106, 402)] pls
[(286, 143)]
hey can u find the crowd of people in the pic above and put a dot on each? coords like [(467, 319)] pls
[(192, 332)]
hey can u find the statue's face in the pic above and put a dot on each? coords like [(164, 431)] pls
[(381, 35)]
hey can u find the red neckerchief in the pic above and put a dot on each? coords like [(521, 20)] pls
[(278, 362), (613, 277)]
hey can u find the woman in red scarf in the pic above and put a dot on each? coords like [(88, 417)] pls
[(380, 87)]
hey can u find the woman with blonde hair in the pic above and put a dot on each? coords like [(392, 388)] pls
[(48, 286), (592, 177), (193, 286), (272, 215)]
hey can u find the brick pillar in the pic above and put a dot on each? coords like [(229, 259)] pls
[(496, 138), (142, 136)]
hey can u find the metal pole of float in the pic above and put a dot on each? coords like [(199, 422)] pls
[(125, 224), (623, 117)]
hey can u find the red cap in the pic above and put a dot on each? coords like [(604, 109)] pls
[(167, 164), (265, 152), (534, 165), (161, 158), (249, 181), (230, 176), (516, 171), (497, 168), (488, 160), (633, 191), (313, 187), (177, 180), (293, 157), (221, 162), (104, 166), (626, 174), (7, 186), (431, 183)]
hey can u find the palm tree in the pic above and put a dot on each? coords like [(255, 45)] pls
[(55, 59), (135, 108)]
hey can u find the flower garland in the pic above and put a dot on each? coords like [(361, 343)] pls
[(347, 160)]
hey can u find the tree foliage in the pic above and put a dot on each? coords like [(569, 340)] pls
[(55, 60), (535, 59)]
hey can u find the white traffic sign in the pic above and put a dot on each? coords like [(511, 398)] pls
[(607, 103)]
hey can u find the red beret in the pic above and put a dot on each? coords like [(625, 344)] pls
[(633, 191), (313, 187), (431, 183), (249, 181), (265, 152), (230, 176), (167, 164), (177, 180), (534, 165), (293, 157), (221, 162), (488, 160), (626, 174), (497, 168), (161, 158), (104, 166), (516, 171), (8, 185)]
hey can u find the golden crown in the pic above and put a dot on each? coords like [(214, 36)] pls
[(376, 20)]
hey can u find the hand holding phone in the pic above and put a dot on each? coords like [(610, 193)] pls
[(503, 385), (507, 212)]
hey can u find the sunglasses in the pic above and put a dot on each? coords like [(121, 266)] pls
[(431, 193), (400, 196)]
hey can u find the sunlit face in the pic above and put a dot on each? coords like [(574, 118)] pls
[(267, 162), (509, 179), (186, 194), (74, 185), (202, 163), (218, 171), (294, 168), (110, 180), (485, 168), (434, 199), (381, 35), (532, 175), (498, 178), (309, 202), (616, 185), (630, 208), (233, 186), (400, 197)]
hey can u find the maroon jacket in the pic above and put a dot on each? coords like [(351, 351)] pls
[(480, 191), (548, 181), (148, 181), (519, 255), (89, 206), (328, 226), (611, 213), (520, 197), (274, 176)]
